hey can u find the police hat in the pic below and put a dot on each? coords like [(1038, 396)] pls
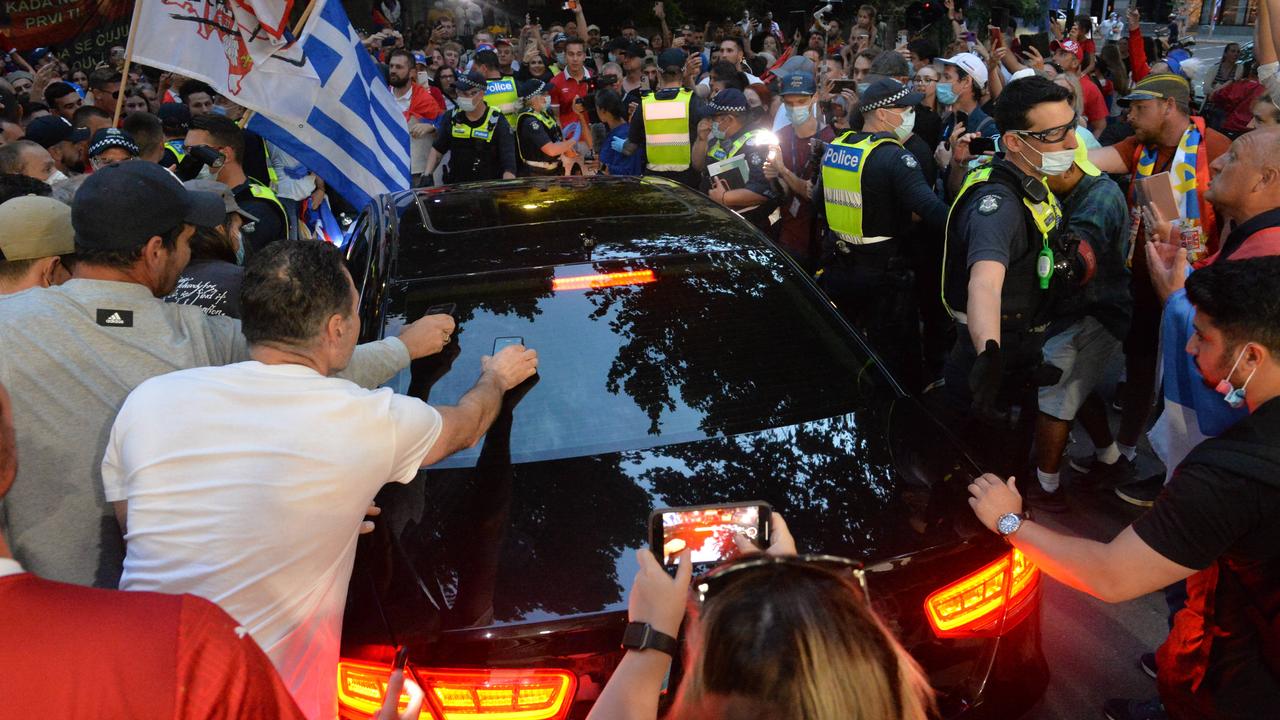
[(888, 93), (532, 87), (473, 80), (729, 101)]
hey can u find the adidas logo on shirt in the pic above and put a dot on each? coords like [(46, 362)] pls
[(115, 318)]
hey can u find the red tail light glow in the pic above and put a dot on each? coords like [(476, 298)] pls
[(981, 603), (478, 694), (603, 280)]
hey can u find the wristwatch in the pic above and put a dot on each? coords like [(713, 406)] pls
[(1009, 523), (642, 636)]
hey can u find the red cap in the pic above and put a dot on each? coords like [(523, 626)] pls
[(1070, 46)]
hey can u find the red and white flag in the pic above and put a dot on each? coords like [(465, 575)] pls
[(240, 47)]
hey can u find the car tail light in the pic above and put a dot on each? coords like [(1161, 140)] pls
[(983, 602), (603, 280), (463, 694)]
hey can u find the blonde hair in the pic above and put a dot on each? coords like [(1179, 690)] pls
[(788, 640), (1077, 93)]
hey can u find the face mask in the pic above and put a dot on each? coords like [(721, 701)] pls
[(946, 93), (239, 240), (466, 104), (206, 173), (219, 110), (798, 115), (1234, 395), (55, 177), (560, 59), (423, 78), (907, 124), (862, 87), (613, 57), (1055, 162), (716, 132)]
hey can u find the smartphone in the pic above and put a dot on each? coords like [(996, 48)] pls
[(441, 309), (981, 145), (1000, 17), (499, 343), (839, 86), (997, 37), (708, 531), (388, 41), (903, 38)]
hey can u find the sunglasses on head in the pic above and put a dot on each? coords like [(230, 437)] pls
[(715, 580)]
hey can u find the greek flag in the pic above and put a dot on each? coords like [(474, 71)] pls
[(354, 136)]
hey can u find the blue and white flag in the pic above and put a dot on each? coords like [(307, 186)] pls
[(354, 136)]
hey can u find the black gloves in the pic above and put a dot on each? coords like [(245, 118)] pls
[(984, 382)]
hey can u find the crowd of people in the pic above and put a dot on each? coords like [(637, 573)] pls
[(1034, 230)]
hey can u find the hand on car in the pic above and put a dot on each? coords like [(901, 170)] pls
[(427, 335), (511, 365), (993, 498), (781, 544), (657, 598)]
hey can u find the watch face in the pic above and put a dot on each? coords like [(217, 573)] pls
[(1008, 523)]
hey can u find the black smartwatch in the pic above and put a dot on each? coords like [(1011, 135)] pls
[(642, 636)]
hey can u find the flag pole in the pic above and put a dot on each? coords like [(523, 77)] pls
[(128, 60), (297, 27)]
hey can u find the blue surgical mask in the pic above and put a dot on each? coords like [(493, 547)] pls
[(1232, 394), (560, 59), (946, 93), (716, 132), (613, 57), (239, 239), (797, 115), (862, 87)]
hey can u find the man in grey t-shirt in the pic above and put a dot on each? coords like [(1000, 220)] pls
[(71, 354)]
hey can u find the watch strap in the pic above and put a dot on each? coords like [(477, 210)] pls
[(642, 636)]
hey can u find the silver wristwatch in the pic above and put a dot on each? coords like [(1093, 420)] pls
[(1009, 523)]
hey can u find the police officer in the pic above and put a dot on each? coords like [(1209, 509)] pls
[(175, 118), (869, 187), (722, 137), (1004, 260), (500, 90), (477, 138), (666, 128), (539, 141), (220, 134)]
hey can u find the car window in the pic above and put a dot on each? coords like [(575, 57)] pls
[(524, 204), (680, 349)]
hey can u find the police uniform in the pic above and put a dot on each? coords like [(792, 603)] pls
[(502, 95), (665, 131), (740, 145), (272, 219), (868, 190), (534, 130), (174, 152), (480, 149)]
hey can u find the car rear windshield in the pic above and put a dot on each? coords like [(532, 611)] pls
[(636, 355), (554, 201)]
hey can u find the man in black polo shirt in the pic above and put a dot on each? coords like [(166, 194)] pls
[(1215, 524), (479, 139)]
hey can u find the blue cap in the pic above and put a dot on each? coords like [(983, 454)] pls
[(1174, 60), (727, 101), (798, 83), (420, 58)]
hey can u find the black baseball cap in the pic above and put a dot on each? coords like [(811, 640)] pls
[(49, 130), (174, 116), (122, 206), (672, 57)]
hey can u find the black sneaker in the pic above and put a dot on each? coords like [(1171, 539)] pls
[(1134, 710), (1095, 473), (1148, 664), (1041, 499), (1142, 492)]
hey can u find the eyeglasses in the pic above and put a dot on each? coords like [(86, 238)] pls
[(715, 580), (1053, 134), (926, 80)]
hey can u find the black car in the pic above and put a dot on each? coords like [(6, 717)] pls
[(683, 360)]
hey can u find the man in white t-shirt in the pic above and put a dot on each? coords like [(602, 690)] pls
[(247, 484)]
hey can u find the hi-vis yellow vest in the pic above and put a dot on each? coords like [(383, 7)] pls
[(1045, 215), (666, 132), (501, 94), (842, 167), (463, 131), (718, 152)]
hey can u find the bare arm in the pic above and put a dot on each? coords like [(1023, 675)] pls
[(1108, 159), (986, 278), (433, 159), (465, 423)]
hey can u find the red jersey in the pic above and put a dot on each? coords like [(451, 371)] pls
[(72, 651), (564, 90)]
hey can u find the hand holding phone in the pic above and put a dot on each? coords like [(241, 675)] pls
[(711, 533)]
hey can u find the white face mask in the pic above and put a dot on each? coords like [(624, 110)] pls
[(55, 177), (907, 123), (466, 104), (1054, 162), (423, 78), (207, 173)]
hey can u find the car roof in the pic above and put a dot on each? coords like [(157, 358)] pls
[(534, 222)]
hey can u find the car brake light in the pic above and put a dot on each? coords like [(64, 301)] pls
[(977, 604), (603, 280), (464, 694)]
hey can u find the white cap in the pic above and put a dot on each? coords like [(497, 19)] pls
[(1023, 73), (971, 64)]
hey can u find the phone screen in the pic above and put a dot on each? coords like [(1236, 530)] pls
[(499, 343), (709, 532)]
